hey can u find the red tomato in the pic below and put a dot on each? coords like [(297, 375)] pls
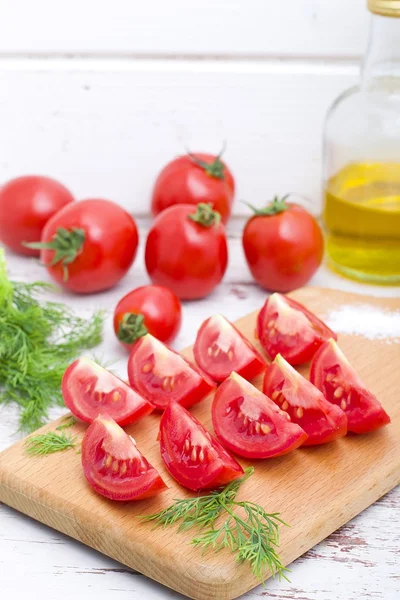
[(286, 327), (148, 309), (192, 179), (88, 246), (250, 424), (113, 465), (26, 204), (332, 373), (283, 245), (89, 390), (322, 421), (195, 459), (220, 349), (160, 375), (186, 250)]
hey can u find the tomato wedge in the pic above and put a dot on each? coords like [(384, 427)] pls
[(113, 465), (88, 390), (332, 373), (250, 424), (286, 327), (160, 375), (220, 348), (195, 459), (304, 403)]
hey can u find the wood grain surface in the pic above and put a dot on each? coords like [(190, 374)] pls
[(316, 489)]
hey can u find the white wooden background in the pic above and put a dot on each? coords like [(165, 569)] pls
[(102, 93)]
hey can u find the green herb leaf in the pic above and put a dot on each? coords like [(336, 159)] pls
[(68, 422), (48, 443)]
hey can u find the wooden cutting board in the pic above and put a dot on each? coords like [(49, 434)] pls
[(316, 490)]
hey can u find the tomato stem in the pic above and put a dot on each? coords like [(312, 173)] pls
[(66, 243), (205, 215), (215, 168), (276, 206), (132, 328)]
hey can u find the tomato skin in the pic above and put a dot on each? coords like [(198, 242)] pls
[(113, 465), (185, 256), (250, 424), (160, 308), (334, 376), (162, 375), (195, 459), (283, 250), (89, 390), (306, 405), (181, 181), (26, 204), (220, 348), (109, 249), (286, 327)]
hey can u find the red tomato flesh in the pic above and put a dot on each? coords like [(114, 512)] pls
[(89, 390), (220, 348), (195, 459), (113, 465), (304, 403), (332, 373), (250, 424), (286, 327), (162, 375)]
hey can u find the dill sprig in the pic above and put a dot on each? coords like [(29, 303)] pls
[(38, 340), (66, 423), (48, 443), (248, 530)]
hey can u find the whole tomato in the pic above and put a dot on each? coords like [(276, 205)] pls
[(88, 246), (26, 204), (192, 179), (148, 309), (186, 250), (283, 245)]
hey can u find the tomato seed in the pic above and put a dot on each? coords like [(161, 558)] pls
[(265, 429), (108, 461), (338, 393), (343, 405), (116, 396), (147, 367), (299, 412), (193, 456), (285, 405), (115, 466)]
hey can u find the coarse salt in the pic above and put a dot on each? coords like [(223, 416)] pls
[(367, 320)]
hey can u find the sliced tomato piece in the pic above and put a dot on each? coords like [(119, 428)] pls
[(160, 375), (88, 390), (220, 348), (113, 465), (304, 403), (195, 459), (286, 327), (332, 373), (250, 424)]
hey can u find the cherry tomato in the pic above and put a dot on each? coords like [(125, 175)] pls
[(332, 373), (286, 327), (250, 424), (220, 349), (26, 204), (148, 309), (88, 246), (89, 390), (322, 421), (113, 465), (195, 459), (283, 245), (186, 250), (192, 179), (162, 375)]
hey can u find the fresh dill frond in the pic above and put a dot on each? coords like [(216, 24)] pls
[(67, 422), (48, 443), (247, 529), (38, 340)]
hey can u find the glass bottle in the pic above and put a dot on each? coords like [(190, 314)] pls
[(362, 160)]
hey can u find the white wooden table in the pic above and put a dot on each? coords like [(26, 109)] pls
[(360, 561)]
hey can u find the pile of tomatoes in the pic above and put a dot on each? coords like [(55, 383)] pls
[(290, 411)]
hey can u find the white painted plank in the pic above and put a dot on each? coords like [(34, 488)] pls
[(209, 27), (105, 128)]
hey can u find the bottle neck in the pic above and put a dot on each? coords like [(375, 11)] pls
[(382, 59)]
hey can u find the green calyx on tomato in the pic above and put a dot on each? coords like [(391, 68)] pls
[(213, 169), (132, 328), (205, 215), (66, 243), (276, 206)]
